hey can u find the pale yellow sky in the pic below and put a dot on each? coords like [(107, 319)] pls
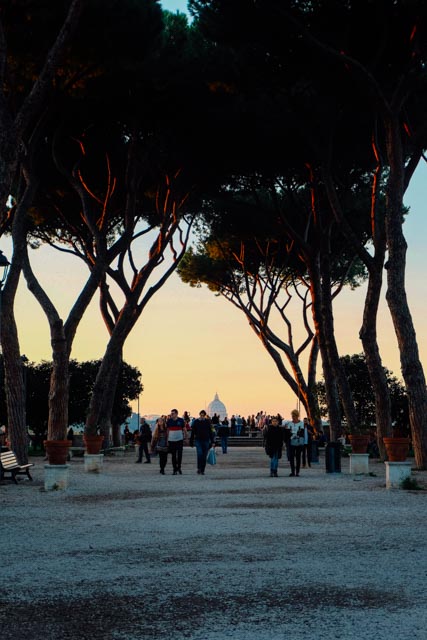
[(190, 344)]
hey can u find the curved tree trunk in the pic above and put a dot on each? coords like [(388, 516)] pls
[(334, 412), (14, 381), (101, 404), (374, 264), (13, 365), (412, 370), (104, 418), (368, 335), (316, 420), (102, 399), (297, 383), (331, 346), (13, 129)]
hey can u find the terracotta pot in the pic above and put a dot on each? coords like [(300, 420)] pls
[(57, 450), (359, 443), (396, 448), (93, 444)]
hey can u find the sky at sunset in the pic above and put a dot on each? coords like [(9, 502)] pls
[(190, 344)]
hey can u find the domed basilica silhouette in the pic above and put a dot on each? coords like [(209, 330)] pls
[(218, 407)]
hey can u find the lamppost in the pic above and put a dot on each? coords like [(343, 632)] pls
[(4, 269)]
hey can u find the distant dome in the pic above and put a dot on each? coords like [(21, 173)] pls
[(218, 407)]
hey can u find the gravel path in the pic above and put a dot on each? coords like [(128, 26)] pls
[(129, 554)]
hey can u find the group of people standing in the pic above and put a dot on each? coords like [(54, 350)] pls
[(295, 435), (172, 432)]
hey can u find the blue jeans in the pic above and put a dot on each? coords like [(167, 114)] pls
[(274, 462), (224, 441), (202, 447)]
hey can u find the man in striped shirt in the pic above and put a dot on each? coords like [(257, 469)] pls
[(176, 435)]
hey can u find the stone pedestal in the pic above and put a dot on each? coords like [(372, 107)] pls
[(396, 472), (94, 462), (359, 463), (56, 477)]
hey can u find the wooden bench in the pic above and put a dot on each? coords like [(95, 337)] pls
[(9, 464)]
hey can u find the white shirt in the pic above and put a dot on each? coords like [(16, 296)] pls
[(294, 426)]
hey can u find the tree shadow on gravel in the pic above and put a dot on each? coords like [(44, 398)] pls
[(110, 616)]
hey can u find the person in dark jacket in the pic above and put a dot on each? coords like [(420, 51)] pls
[(273, 443), (203, 434), (224, 433), (143, 439)]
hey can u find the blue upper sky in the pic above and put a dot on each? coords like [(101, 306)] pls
[(175, 5)]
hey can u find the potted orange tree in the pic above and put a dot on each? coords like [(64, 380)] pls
[(359, 441), (397, 446)]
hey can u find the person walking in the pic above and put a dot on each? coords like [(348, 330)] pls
[(176, 435), (224, 433), (296, 443), (127, 434), (203, 434), (144, 437), (159, 443), (273, 444), (308, 440)]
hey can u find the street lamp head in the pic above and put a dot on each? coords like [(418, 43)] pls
[(4, 268)]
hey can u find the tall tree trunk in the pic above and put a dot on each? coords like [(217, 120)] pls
[(331, 390), (314, 417), (374, 264), (368, 335), (115, 428), (9, 147), (14, 382), (106, 410), (13, 365), (331, 345), (14, 136), (412, 370), (102, 399), (59, 384)]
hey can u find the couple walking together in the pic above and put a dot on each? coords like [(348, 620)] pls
[(293, 435), (169, 436)]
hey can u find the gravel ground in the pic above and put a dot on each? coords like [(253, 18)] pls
[(130, 554)]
